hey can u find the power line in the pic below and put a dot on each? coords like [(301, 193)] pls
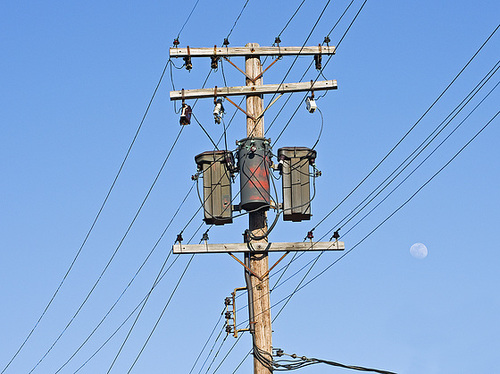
[(236, 21), (423, 145), (161, 315), (297, 56), (131, 281), (425, 159), (134, 310), (114, 253), (187, 19), (206, 343), (291, 18), (94, 221), (408, 132), (387, 218)]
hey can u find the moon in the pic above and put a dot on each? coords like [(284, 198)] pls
[(418, 250)]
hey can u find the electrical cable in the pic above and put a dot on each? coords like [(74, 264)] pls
[(426, 143), (136, 308), (408, 132), (216, 353), (237, 19), (387, 218), (187, 19), (423, 161), (320, 130), (292, 17), (93, 223), (113, 255), (317, 258), (130, 282), (206, 343), (127, 318), (227, 354), (296, 57), (211, 349), (321, 71), (301, 361), (161, 315), (205, 131)]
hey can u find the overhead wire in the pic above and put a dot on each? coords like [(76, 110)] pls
[(131, 281), (136, 308), (302, 286), (237, 19), (187, 19), (324, 66), (291, 18), (314, 261), (161, 315), (297, 56), (93, 223), (113, 255), (408, 132), (424, 160), (418, 150), (206, 342)]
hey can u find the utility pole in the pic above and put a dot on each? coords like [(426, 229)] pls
[(256, 247), (257, 226)]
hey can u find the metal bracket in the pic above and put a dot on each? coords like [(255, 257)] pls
[(231, 314), (246, 267)]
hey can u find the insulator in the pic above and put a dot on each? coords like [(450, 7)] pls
[(311, 104), (228, 315), (317, 61), (327, 40), (188, 63), (336, 235), (228, 301), (186, 112), (226, 42), (218, 111)]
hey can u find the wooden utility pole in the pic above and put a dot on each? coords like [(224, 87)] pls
[(257, 226), (256, 246)]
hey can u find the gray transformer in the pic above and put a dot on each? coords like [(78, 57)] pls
[(217, 168), (254, 160), (295, 163)]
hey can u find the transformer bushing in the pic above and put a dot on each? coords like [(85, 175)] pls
[(217, 168), (295, 163), (254, 160)]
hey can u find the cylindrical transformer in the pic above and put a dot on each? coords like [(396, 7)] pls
[(295, 163), (254, 160), (216, 167)]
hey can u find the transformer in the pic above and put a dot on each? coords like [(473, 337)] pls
[(217, 168), (294, 163), (254, 160)]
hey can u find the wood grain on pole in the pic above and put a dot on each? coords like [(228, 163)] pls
[(257, 223)]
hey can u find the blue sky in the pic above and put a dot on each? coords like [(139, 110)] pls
[(76, 79)]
